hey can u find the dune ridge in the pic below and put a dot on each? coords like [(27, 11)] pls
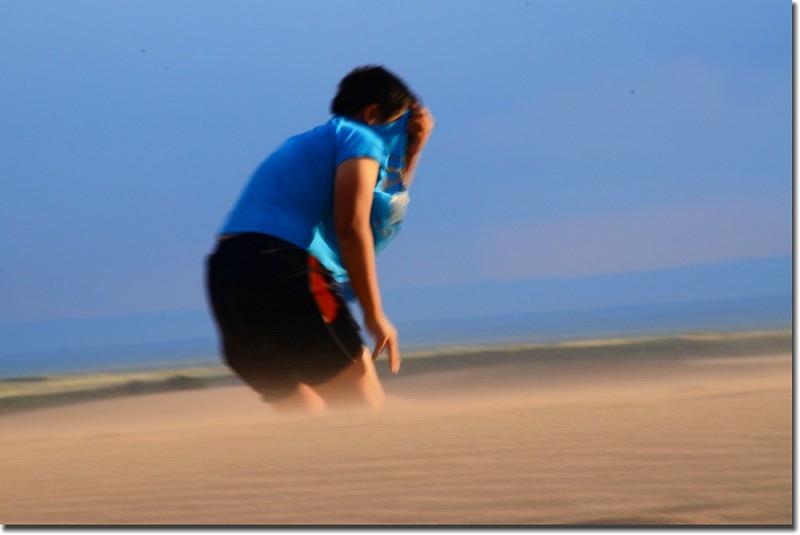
[(43, 391)]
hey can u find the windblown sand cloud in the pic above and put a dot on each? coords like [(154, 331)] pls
[(599, 434)]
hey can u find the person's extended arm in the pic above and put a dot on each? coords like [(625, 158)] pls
[(354, 186)]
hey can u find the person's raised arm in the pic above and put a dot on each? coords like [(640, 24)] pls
[(353, 191), (420, 126)]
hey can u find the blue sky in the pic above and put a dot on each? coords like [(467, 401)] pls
[(573, 138)]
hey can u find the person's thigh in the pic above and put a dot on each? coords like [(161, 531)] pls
[(356, 385), (317, 337), (280, 320), (239, 292)]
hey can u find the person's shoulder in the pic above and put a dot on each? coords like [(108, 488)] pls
[(322, 135), (345, 128)]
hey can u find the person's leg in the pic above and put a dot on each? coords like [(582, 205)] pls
[(357, 385), (302, 399), (289, 337), (245, 292)]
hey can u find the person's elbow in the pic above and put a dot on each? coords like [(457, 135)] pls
[(351, 228)]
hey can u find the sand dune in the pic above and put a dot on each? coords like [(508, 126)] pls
[(604, 441)]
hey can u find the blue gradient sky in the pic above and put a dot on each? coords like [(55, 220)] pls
[(573, 138)]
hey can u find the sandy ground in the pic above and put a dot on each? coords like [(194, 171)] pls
[(601, 442)]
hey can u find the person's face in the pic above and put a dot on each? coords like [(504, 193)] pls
[(395, 117), (371, 115)]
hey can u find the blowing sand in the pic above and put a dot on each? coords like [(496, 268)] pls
[(669, 439)]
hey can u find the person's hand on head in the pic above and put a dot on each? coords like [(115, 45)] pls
[(420, 126)]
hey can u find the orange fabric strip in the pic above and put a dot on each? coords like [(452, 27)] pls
[(326, 302)]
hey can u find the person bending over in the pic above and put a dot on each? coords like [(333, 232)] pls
[(283, 322)]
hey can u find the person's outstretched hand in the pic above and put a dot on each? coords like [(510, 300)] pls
[(385, 338)]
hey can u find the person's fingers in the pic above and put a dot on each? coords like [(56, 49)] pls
[(379, 345), (394, 355), (390, 344)]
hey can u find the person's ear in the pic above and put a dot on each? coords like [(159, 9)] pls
[(372, 114)]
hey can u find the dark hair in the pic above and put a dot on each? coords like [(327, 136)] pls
[(371, 84)]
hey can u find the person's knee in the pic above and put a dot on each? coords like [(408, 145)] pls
[(302, 398), (355, 384)]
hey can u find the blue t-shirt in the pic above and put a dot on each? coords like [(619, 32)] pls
[(292, 190), (389, 204)]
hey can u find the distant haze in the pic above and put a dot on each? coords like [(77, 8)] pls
[(574, 141)]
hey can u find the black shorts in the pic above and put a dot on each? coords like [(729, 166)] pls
[(280, 320)]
